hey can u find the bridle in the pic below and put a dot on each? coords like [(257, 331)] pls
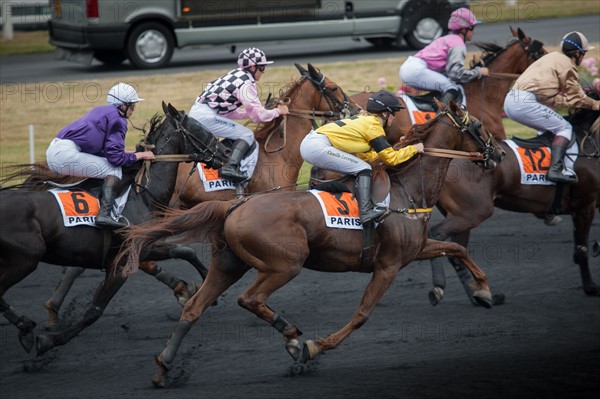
[(473, 128)]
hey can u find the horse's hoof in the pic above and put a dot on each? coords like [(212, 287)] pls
[(483, 298), (184, 293), (293, 348), (161, 377), (552, 220), (42, 344), (436, 295), (592, 290), (310, 350)]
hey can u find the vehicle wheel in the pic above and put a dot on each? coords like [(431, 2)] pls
[(427, 28), (110, 57), (150, 45)]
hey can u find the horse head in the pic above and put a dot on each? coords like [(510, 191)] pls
[(482, 141), (198, 141), (332, 98)]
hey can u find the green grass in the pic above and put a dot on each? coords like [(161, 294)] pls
[(26, 43)]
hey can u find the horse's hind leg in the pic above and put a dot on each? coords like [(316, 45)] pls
[(25, 325), (55, 302), (224, 272), (480, 289), (105, 292), (583, 222)]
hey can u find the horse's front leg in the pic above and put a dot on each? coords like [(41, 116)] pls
[(582, 221), (381, 281), (105, 292), (478, 288)]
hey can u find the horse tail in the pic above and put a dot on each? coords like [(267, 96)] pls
[(200, 223)]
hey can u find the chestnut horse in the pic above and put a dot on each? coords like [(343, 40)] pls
[(313, 96), (470, 196), (485, 97), (279, 234), (33, 230)]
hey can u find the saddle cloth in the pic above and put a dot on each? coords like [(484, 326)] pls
[(79, 207), (340, 210), (534, 163)]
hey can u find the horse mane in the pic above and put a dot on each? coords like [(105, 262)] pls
[(264, 129), (491, 50)]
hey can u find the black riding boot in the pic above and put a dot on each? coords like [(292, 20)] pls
[(555, 174), (109, 193), (451, 94), (368, 212), (231, 170)]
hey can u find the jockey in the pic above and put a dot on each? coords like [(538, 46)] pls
[(220, 103), (348, 144), (441, 65), (553, 81), (94, 146)]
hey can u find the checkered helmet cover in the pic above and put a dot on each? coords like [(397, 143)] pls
[(252, 56)]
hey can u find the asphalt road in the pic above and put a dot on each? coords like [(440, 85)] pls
[(544, 342), (38, 68)]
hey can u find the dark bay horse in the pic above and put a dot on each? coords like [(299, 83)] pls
[(279, 234), (469, 196), (485, 97), (33, 230), (311, 97)]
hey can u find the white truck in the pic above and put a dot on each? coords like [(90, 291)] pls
[(147, 32)]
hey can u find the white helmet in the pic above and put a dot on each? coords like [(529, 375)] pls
[(122, 93)]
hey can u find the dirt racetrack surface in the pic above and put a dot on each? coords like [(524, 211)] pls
[(543, 342)]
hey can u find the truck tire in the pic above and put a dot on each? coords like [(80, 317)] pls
[(110, 57), (150, 45), (423, 21)]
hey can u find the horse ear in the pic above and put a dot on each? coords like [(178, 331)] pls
[(314, 73), (454, 108), (164, 107), (173, 112), (440, 105), (301, 69), (521, 34), (514, 32)]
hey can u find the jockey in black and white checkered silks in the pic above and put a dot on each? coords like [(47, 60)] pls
[(234, 96)]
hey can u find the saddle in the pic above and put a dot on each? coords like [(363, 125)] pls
[(425, 102), (543, 140)]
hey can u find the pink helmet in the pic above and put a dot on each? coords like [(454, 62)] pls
[(462, 18)]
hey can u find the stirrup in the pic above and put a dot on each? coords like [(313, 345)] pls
[(374, 215), (107, 221), (562, 178)]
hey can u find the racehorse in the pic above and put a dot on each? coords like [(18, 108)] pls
[(278, 234), (470, 195), (312, 97), (35, 231), (485, 97)]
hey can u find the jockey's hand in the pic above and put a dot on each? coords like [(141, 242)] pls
[(283, 109), (420, 148), (144, 155), (484, 71)]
